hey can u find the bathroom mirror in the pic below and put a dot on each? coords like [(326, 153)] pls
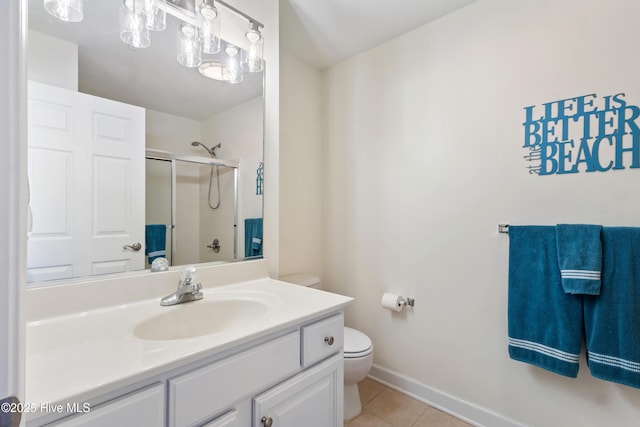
[(86, 63)]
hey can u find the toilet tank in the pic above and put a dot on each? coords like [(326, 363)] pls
[(303, 279)]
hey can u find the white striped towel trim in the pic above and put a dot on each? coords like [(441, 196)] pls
[(580, 274), (156, 253), (543, 349), (615, 362)]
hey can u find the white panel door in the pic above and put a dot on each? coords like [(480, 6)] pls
[(116, 150), (86, 176)]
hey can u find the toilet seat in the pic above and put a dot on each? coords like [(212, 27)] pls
[(356, 344)]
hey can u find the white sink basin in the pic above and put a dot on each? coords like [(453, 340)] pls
[(199, 318)]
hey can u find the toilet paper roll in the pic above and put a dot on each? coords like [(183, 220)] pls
[(392, 302)]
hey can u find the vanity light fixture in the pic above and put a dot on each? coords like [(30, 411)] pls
[(252, 56), (65, 10), (198, 32)]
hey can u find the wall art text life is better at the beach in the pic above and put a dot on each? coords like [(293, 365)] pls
[(587, 133)]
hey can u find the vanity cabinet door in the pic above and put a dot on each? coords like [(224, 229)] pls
[(313, 398), (143, 408)]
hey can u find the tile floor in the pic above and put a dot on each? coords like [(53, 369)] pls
[(384, 407)]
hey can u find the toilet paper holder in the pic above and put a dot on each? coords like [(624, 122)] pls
[(407, 301)]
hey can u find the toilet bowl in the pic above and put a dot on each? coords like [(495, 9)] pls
[(358, 353), (358, 358)]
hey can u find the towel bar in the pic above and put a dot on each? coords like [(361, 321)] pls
[(503, 228)]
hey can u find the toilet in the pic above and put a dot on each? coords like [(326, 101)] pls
[(358, 353)]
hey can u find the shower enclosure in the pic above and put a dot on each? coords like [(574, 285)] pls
[(179, 195)]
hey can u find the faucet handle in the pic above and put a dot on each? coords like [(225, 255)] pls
[(187, 274)]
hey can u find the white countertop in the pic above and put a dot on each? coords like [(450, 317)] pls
[(71, 356)]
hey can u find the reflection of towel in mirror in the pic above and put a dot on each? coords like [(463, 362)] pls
[(579, 257), (156, 238), (252, 237)]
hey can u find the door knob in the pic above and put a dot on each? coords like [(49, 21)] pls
[(215, 245), (134, 247), (328, 340), (267, 421)]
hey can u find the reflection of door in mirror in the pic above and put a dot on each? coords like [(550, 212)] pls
[(86, 186)]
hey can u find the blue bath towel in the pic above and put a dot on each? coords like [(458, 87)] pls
[(252, 237), (612, 319), (156, 240), (544, 323), (579, 257)]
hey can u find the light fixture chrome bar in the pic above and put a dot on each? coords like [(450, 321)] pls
[(180, 13), (239, 12), (187, 16)]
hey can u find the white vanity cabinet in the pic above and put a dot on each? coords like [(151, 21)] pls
[(291, 377)]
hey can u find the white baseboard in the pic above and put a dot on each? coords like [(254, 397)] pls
[(466, 411)]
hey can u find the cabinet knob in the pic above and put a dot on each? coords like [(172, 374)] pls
[(267, 421), (328, 340)]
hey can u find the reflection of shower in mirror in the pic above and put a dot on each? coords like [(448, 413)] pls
[(212, 153)]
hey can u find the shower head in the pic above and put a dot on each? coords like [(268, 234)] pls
[(211, 151)]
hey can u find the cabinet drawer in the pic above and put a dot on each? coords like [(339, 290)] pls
[(142, 408), (201, 394), (322, 339)]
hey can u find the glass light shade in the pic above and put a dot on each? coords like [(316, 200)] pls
[(209, 25), (65, 10), (252, 58), (189, 45), (156, 14), (133, 29), (233, 64)]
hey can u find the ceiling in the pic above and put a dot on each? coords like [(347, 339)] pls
[(150, 77), (325, 32)]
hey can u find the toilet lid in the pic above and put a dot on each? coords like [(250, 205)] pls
[(356, 344)]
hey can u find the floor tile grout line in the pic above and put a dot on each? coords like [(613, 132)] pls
[(381, 388)]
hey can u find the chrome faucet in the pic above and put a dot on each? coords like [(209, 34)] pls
[(187, 291)]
